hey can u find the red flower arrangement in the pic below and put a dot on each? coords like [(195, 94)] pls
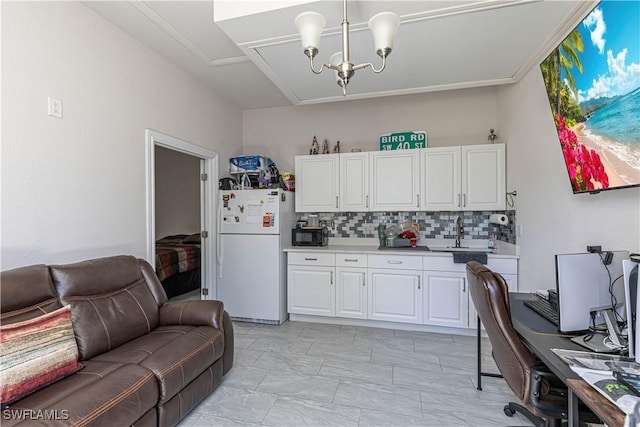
[(584, 166)]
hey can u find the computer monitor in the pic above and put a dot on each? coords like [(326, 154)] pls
[(630, 275), (583, 281)]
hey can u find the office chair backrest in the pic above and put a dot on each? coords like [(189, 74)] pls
[(490, 296)]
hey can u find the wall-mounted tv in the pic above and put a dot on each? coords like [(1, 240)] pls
[(593, 85)]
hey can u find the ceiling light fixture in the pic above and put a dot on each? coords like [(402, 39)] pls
[(383, 26)]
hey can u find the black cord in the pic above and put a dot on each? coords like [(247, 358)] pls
[(592, 328), (614, 299)]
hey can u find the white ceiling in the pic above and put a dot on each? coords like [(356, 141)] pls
[(255, 59)]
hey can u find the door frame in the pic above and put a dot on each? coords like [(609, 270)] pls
[(208, 191)]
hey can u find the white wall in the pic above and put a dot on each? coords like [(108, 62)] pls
[(74, 188), (177, 193), (554, 220), (450, 118)]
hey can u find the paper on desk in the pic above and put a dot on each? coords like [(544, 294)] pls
[(597, 370), (597, 361), (609, 387)]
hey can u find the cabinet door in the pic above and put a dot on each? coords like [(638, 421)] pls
[(395, 295), (354, 182), (351, 293), (310, 290), (394, 183), (317, 179), (440, 177), (483, 177), (446, 301)]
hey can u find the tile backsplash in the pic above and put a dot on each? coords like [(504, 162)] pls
[(434, 224)]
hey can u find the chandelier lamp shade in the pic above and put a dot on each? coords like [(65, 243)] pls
[(383, 26)]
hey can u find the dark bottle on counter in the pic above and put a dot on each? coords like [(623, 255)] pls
[(381, 235)]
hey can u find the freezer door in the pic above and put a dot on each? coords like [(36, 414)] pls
[(249, 211), (251, 285)]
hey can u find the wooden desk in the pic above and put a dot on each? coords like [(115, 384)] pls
[(541, 336), (607, 411)]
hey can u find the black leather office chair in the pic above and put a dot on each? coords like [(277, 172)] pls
[(543, 395)]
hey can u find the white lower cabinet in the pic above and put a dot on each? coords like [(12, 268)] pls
[(311, 284), (351, 292), (351, 285), (395, 295), (446, 301), (395, 288), (429, 290)]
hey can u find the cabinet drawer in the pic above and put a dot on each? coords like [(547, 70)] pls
[(395, 261), (311, 258), (351, 260)]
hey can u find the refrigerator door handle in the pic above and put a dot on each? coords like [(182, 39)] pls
[(219, 241)]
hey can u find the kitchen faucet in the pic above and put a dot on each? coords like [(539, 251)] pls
[(459, 231)]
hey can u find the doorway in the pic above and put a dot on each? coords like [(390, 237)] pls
[(208, 164)]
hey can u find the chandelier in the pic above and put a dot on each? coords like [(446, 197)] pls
[(383, 26)]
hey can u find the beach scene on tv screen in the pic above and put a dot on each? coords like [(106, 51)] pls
[(593, 85)]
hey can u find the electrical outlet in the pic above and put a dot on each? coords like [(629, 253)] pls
[(55, 107)]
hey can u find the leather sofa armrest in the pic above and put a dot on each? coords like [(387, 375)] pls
[(194, 313)]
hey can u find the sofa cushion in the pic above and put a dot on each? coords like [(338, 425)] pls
[(26, 292), (103, 292), (175, 354), (106, 394), (35, 353)]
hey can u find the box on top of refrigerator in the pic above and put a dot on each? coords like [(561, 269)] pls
[(250, 164)]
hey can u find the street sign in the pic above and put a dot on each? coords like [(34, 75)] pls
[(403, 140)]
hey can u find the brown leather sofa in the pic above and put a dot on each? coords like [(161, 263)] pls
[(145, 361)]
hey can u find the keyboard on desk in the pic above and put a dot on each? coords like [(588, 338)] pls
[(544, 308)]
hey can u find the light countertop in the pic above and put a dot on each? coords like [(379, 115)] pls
[(370, 246)]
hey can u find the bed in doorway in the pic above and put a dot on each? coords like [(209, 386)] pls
[(178, 263)]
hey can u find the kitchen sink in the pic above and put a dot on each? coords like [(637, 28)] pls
[(405, 248), (436, 249), (460, 249)]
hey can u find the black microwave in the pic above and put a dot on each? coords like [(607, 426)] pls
[(310, 236)]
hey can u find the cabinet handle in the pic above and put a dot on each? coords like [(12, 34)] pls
[(394, 262), (418, 281), (336, 202), (367, 201), (417, 200), (310, 259), (350, 260), (332, 277), (364, 276), (464, 200), (459, 203), (464, 284)]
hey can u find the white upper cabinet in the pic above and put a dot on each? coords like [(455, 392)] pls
[(317, 183), (468, 178), (483, 177), (394, 180), (441, 179), (354, 182)]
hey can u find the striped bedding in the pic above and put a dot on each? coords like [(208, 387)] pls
[(174, 256)]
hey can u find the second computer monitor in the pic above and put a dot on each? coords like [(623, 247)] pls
[(630, 274), (583, 282)]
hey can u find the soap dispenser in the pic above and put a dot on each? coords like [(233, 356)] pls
[(492, 242)]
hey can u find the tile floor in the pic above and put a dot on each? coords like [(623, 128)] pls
[(309, 374)]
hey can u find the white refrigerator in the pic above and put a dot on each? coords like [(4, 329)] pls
[(254, 226)]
